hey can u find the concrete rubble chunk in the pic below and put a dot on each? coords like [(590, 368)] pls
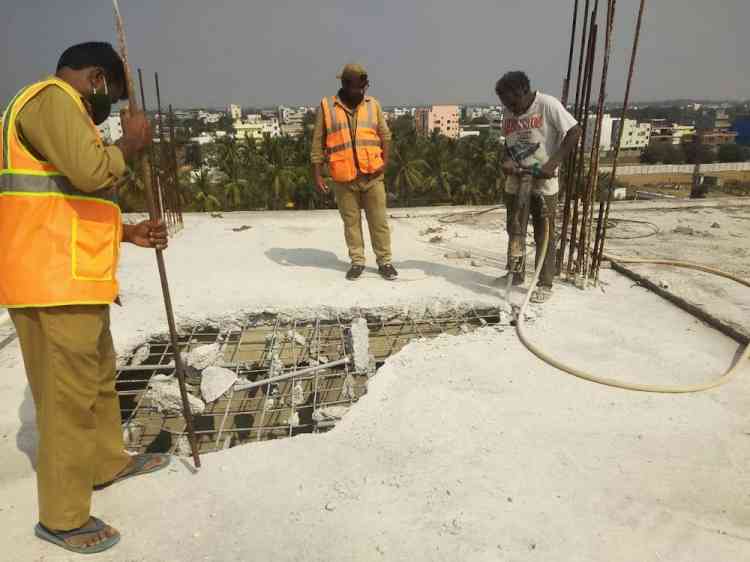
[(203, 356), (164, 393), (215, 381)]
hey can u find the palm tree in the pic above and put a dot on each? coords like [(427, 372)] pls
[(203, 199), (444, 166), (229, 157), (234, 194), (408, 169), (278, 172)]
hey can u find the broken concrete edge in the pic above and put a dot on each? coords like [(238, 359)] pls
[(724, 327), (226, 322)]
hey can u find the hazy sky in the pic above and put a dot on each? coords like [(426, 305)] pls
[(214, 52)]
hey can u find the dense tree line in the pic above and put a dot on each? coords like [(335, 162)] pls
[(274, 173)]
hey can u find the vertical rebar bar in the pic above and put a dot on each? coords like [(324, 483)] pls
[(581, 59), (566, 83), (602, 226), (152, 161), (581, 163), (163, 177), (175, 170), (568, 168), (596, 141)]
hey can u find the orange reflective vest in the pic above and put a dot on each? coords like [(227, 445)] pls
[(58, 245), (350, 157)]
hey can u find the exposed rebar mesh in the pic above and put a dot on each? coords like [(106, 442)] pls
[(254, 349)]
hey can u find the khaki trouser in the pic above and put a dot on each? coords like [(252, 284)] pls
[(367, 194), (535, 210), (70, 365)]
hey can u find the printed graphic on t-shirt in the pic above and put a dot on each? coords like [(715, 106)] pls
[(524, 138)]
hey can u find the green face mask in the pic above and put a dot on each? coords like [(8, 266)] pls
[(101, 104)]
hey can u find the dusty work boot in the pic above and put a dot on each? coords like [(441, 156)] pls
[(541, 294), (388, 271), (354, 272), (518, 279)]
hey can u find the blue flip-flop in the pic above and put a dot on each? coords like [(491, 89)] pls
[(59, 537), (138, 468)]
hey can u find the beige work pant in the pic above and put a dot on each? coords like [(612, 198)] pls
[(70, 365), (352, 198)]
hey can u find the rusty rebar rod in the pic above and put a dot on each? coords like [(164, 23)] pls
[(164, 179), (582, 60), (569, 167), (566, 83), (596, 141), (584, 177), (602, 225), (175, 170), (145, 168), (581, 164), (152, 158)]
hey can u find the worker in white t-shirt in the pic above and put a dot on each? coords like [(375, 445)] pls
[(539, 134)]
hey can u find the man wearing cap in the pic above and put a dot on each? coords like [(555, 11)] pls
[(352, 136), (61, 230)]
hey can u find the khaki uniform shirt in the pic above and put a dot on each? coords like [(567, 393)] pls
[(54, 129)]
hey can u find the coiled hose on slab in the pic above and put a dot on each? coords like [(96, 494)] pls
[(664, 389)]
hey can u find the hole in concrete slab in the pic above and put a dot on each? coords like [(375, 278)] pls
[(253, 349)]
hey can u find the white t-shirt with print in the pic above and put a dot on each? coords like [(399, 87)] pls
[(536, 135)]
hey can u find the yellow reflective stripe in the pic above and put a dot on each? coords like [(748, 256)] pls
[(368, 142), (340, 147), (19, 172), (62, 303), (61, 195)]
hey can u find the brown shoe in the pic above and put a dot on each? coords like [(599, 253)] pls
[(388, 271), (354, 272)]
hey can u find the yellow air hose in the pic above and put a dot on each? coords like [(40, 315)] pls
[(665, 389)]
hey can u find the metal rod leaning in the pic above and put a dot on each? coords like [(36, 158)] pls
[(146, 172)]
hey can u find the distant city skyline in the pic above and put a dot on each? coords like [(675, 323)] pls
[(439, 52)]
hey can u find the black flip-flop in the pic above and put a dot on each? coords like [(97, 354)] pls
[(140, 461), (59, 537)]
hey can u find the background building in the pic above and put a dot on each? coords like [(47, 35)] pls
[(635, 136), (605, 139), (441, 118), (666, 132), (256, 127)]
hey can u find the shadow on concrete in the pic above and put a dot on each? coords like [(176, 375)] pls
[(27, 439), (307, 257), (471, 280)]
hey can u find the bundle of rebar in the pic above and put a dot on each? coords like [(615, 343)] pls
[(164, 164), (581, 236)]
